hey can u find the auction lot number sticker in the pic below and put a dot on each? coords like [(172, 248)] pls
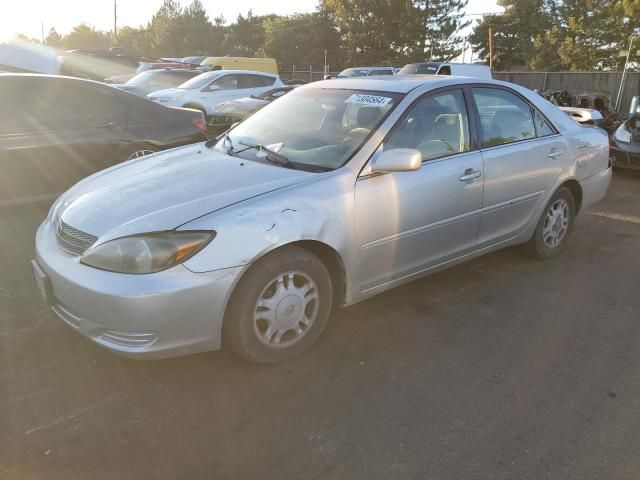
[(367, 99)]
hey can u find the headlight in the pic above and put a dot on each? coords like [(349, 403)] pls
[(622, 134), (147, 253)]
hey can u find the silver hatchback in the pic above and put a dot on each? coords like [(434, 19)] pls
[(335, 192)]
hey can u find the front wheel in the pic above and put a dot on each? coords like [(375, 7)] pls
[(554, 225), (279, 308)]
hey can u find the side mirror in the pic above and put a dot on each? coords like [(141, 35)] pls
[(397, 160)]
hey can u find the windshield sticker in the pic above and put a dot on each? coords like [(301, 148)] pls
[(368, 99)]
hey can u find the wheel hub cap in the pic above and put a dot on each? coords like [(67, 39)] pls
[(556, 223), (286, 309)]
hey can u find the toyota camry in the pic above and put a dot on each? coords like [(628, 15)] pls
[(333, 193)]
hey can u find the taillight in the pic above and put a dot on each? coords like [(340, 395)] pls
[(200, 124)]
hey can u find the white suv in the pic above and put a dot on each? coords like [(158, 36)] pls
[(209, 89)]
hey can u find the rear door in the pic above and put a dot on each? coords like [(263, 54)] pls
[(523, 155)]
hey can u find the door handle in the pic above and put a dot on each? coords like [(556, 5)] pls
[(470, 174), (554, 153), (106, 125)]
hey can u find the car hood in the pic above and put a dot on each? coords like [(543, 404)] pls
[(130, 88), (166, 190), (168, 93), (241, 105)]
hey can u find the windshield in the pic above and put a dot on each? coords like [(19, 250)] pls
[(353, 72), (314, 127), (144, 67), (142, 78), (419, 68), (198, 82)]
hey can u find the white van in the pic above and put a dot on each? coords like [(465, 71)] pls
[(478, 70)]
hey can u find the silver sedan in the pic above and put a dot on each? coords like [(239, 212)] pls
[(331, 194)]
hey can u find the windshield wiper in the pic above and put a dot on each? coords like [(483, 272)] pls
[(270, 155), (226, 139)]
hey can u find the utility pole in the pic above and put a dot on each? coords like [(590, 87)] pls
[(42, 31), (115, 20), (624, 72), (491, 48)]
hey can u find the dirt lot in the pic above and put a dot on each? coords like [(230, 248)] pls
[(502, 368)]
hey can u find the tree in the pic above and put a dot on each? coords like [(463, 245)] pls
[(514, 33), (135, 40), (198, 29), (86, 37), (590, 31), (302, 40), (246, 36), (439, 22), (166, 31), (373, 31), (54, 39)]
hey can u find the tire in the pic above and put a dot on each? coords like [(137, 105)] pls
[(554, 226), (279, 308)]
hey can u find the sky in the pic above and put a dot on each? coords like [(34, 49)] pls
[(27, 16)]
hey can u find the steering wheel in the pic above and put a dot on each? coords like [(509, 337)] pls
[(355, 137)]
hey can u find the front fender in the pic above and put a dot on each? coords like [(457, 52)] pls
[(321, 211)]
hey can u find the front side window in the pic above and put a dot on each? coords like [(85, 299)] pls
[(504, 117), (317, 128), (227, 82), (380, 72), (436, 125)]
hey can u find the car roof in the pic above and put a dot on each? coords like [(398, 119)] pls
[(397, 84), (247, 72)]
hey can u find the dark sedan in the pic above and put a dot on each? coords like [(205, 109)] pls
[(54, 131), (625, 144)]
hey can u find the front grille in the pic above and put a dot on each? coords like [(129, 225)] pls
[(72, 240)]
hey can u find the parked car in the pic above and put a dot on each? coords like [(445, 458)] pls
[(478, 70), (363, 72), (97, 64), (195, 60), (268, 65), (55, 131), (153, 80), (144, 67), (232, 111), (28, 59), (209, 89), (625, 144), (338, 191)]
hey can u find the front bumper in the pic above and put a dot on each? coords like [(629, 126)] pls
[(159, 315)]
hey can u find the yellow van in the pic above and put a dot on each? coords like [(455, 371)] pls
[(268, 65)]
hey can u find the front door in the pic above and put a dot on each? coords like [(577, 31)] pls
[(410, 221)]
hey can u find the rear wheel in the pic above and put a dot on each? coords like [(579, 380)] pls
[(554, 225), (279, 308)]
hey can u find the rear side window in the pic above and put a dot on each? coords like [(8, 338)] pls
[(504, 117), (543, 127), (446, 70), (255, 81), (380, 72)]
